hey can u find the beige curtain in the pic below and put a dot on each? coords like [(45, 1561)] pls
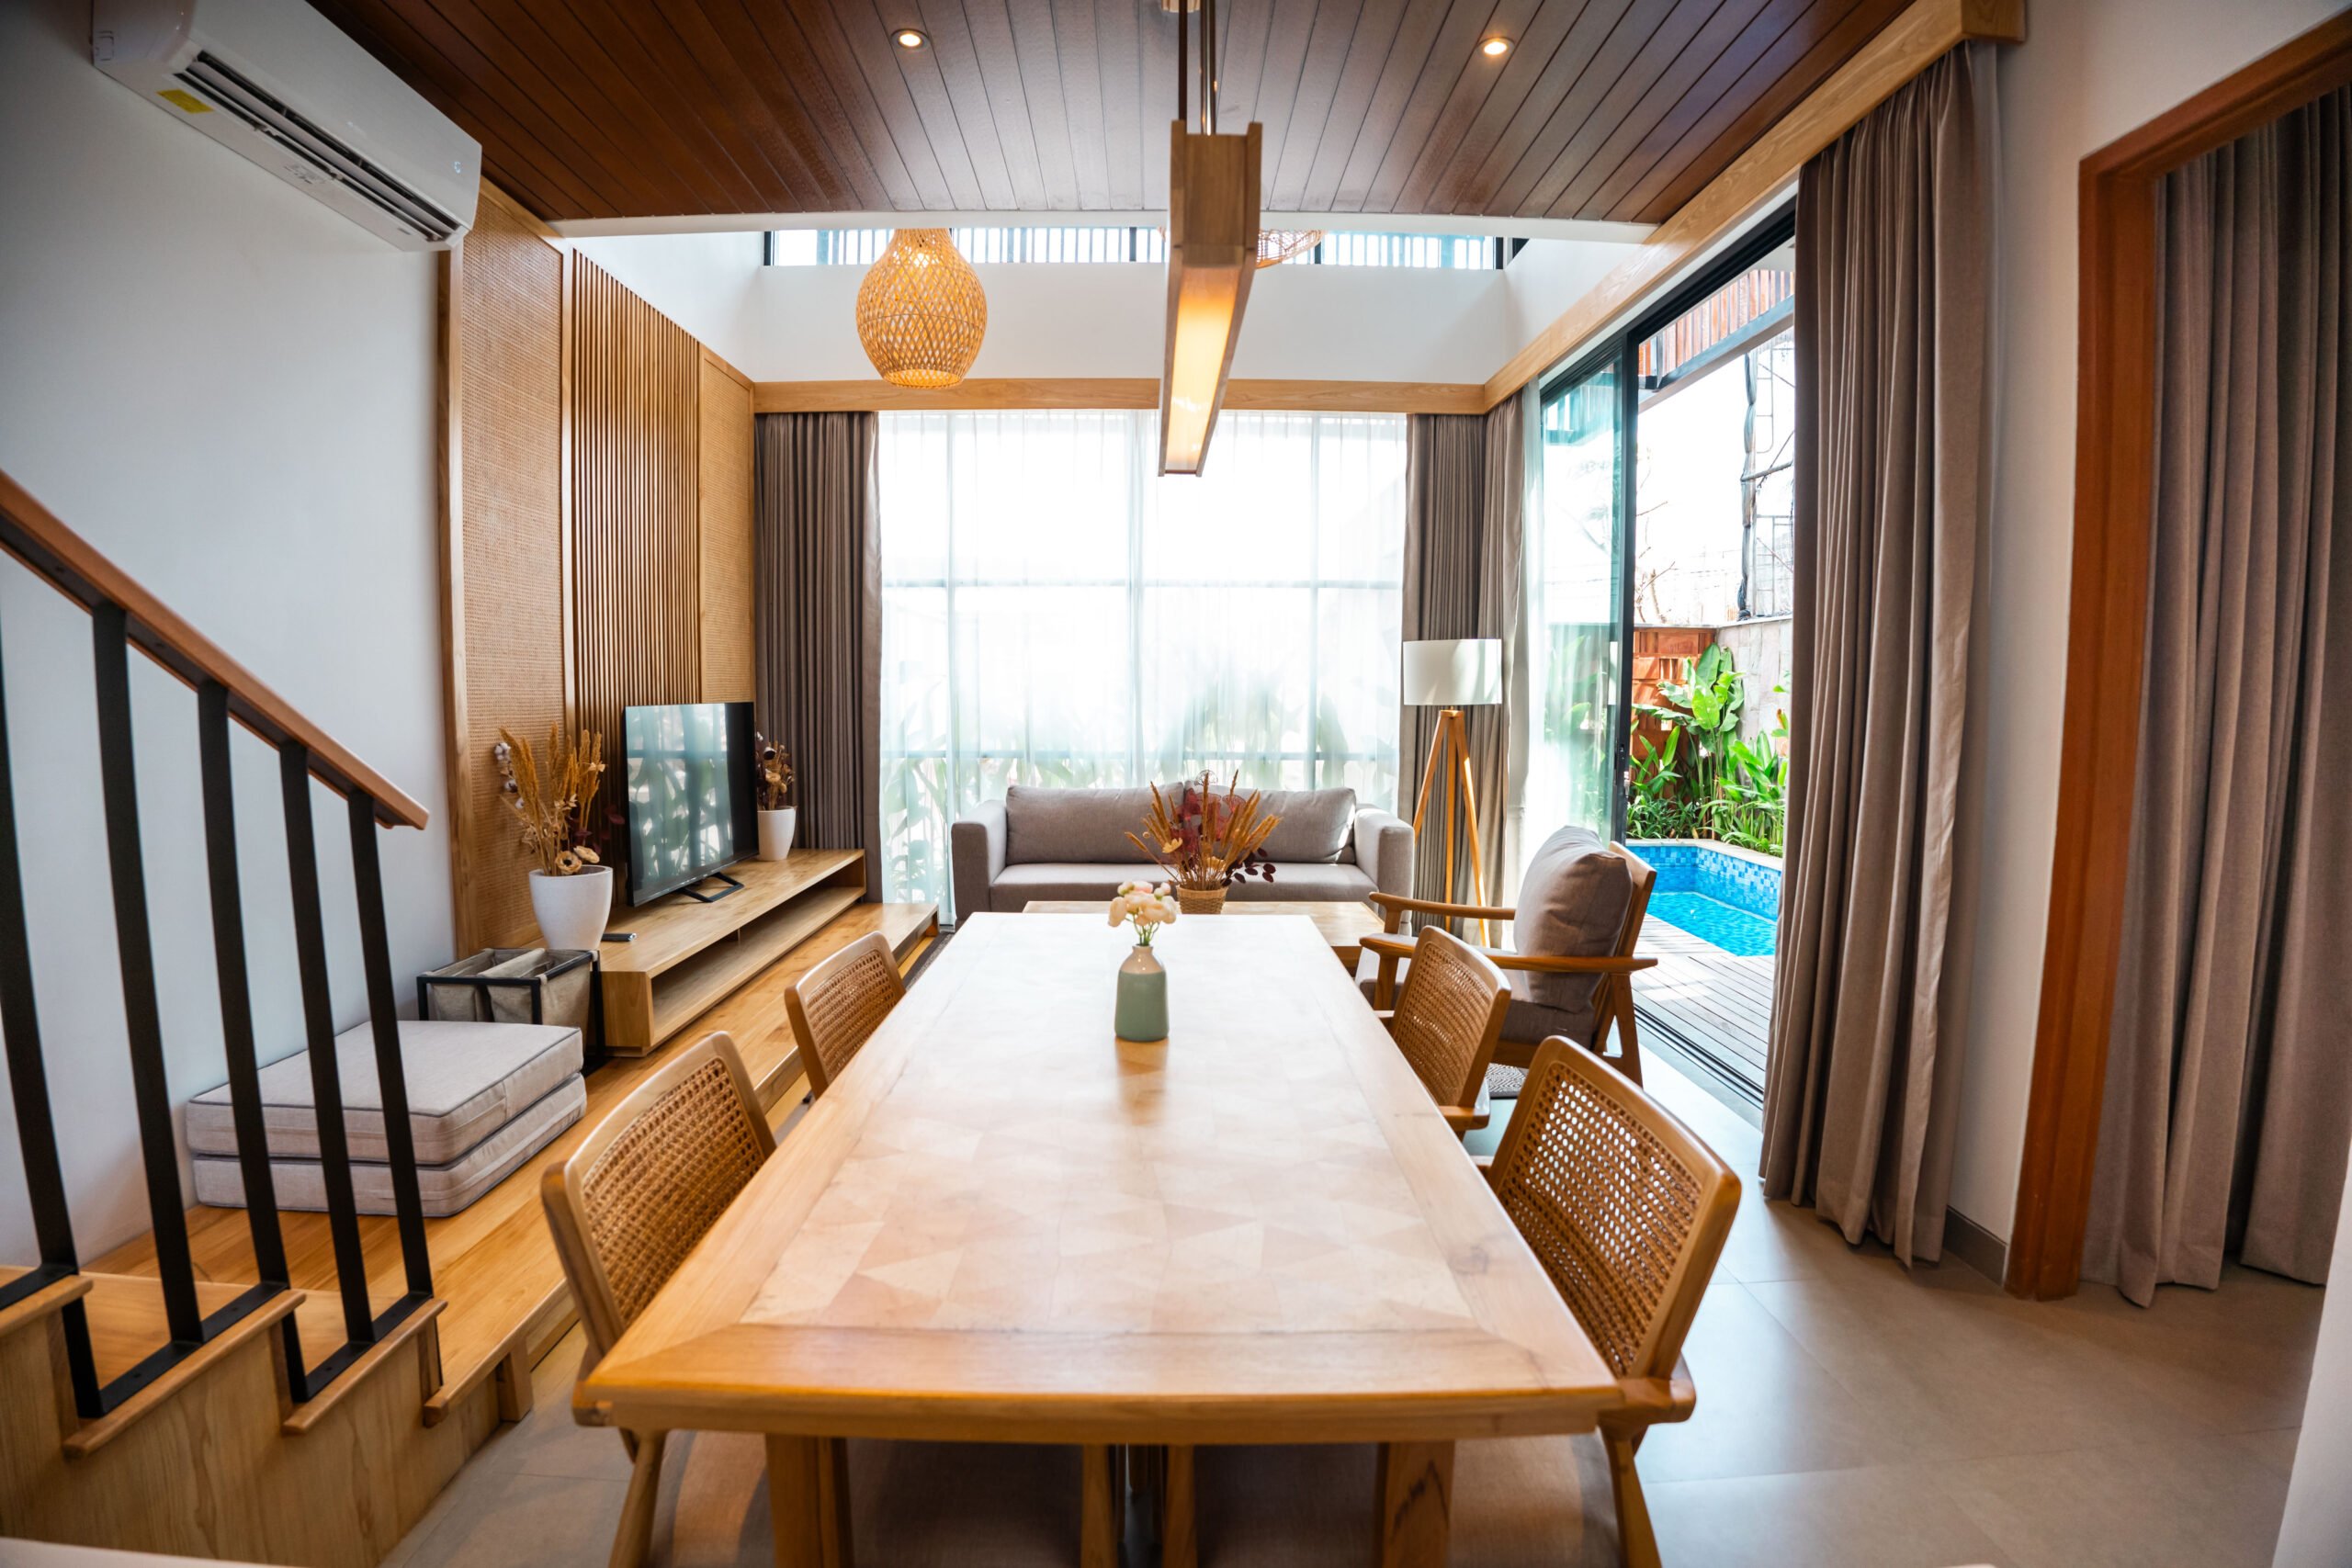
[(2229, 1085), (1860, 1093), (818, 612), (1465, 484)]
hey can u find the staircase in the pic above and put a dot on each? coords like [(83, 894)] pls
[(249, 1384)]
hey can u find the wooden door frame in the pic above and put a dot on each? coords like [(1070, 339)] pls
[(2115, 438)]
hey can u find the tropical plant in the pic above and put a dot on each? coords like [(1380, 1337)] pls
[(1707, 780)]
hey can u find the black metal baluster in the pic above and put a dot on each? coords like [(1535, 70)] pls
[(236, 1005), (318, 1018), (28, 1089), (151, 1088), (391, 1077)]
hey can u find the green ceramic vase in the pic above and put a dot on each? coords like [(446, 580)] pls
[(1142, 1012)]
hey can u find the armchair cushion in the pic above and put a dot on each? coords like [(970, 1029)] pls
[(1572, 903), (1527, 1021)]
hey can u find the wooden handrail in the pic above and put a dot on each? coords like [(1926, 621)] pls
[(33, 533)]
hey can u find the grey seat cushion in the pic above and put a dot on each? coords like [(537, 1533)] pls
[(1572, 903), (1071, 826), (1526, 1019), (465, 1081), (1302, 883), (1018, 885), (1315, 826), (445, 1188)]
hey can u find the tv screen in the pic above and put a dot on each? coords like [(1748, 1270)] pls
[(689, 793)]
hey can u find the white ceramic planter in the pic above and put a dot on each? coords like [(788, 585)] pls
[(571, 909), (775, 831)]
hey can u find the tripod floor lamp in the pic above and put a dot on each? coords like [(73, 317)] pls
[(1450, 674)]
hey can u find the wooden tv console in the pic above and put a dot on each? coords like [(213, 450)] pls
[(687, 955)]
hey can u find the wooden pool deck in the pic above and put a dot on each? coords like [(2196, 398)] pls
[(1713, 1006)]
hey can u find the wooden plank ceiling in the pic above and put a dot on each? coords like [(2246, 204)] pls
[(1617, 109)]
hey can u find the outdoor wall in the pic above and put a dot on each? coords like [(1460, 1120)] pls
[(1337, 322), (2091, 70), (230, 389)]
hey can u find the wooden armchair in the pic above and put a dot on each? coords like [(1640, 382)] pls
[(630, 1204), (836, 1007), (1612, 995), (1627, 1211), (1446, 1021)]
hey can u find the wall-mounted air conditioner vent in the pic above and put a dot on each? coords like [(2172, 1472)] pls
[(279, 83)]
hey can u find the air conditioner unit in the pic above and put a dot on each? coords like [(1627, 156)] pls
[(284, 86)]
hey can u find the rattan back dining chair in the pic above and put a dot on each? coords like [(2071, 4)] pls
[(643, 1187), (1446, 1021), (836, 1007), (1531, 1024), (1627, 1211)]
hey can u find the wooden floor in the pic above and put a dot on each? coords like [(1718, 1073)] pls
[(495, 1263), (1713, 1005)]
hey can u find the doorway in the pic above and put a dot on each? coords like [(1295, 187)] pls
[(1660, 579)]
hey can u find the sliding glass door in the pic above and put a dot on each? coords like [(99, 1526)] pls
[(1577, 604)]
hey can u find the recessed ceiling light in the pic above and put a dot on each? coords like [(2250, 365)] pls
[(908, 38), (1493, 48)]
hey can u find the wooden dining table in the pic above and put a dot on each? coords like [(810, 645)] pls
[(1001, 1223)]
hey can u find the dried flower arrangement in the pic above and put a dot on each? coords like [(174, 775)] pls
[(1209, 840), (770, 773), (554, 810)]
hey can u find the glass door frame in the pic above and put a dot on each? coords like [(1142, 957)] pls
[(1617, 351)]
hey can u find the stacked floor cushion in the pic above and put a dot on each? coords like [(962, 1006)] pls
[(482, 1099)]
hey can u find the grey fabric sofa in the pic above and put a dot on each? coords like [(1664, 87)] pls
[(1072, 844)]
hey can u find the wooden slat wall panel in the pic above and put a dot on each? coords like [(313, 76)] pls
[(507, 663), (637, 382), (1606, 109), (725, 535)]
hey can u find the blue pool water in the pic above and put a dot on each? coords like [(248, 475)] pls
[(1711, 920), (1729, 899)]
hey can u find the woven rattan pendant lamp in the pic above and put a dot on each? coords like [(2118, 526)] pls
[(920, 313)]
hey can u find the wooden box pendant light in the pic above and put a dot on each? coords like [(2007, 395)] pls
[(1211, 255), (920, 313)]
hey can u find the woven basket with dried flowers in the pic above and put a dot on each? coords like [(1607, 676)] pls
[(1207, 842), (553, 809)]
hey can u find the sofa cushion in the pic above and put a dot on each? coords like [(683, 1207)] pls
[(1072, 826), (1018, 884), (446, 1188), (1572, 903), (1305, 884), (465, 1081), (1315, 825)]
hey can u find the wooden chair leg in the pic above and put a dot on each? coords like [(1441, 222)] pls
[(1180, 1540), (1627, 1039), (633, 1542), (1637, 1543)]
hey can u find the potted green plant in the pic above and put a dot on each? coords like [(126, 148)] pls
[(771, 778), (571, 890)]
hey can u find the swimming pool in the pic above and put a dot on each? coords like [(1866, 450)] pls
[(1721, 894)]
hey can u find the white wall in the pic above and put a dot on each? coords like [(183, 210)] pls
[(1340, 323), (2090, 71), (2316, 1531), (229, 390)]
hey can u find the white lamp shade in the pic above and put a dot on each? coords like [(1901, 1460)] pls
[(1452, 672)]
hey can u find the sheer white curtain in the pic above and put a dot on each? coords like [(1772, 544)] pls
[(1055, 614)]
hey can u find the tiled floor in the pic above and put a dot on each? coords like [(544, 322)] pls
[(1849, 1413)]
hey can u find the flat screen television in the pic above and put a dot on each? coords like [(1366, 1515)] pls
[(690, 800)]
